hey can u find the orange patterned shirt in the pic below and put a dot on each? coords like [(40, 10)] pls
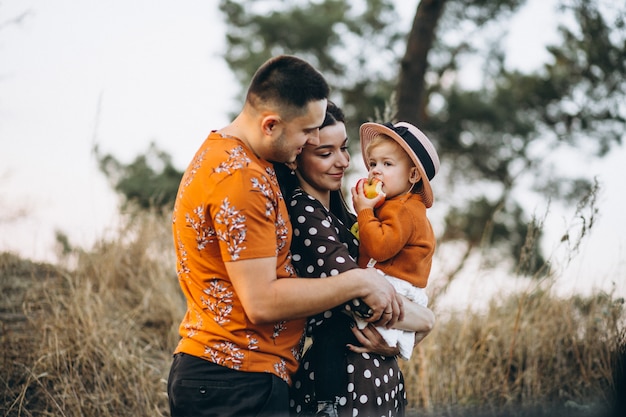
[(229, 208)]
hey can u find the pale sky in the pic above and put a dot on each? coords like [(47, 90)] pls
[(125, 73)]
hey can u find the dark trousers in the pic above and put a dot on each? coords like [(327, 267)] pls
[(199, 388)]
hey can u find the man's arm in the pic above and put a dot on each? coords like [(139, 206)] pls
[(267, 299)]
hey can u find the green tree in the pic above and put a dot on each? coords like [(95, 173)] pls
[(492, 140), (150, 181), (354, 43), (501, 133)]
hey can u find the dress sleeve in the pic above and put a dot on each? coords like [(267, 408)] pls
[(321, 245), (317, 246)]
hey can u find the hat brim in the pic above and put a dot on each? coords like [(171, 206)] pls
[(369, 130)]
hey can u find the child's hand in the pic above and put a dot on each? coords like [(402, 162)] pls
[(367, 194)]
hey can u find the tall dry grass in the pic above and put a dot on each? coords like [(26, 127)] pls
[(100, 334), (93, 336), (530, 351)]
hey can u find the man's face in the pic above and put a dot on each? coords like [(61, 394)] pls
[(298, 132)]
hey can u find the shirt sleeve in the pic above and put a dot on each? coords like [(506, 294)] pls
[(246, 217)]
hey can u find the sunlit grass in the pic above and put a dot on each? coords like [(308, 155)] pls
[(93, 336)]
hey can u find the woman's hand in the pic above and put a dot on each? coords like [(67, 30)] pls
[(372, 341)]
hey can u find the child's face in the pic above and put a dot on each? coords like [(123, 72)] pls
[(388, 162)]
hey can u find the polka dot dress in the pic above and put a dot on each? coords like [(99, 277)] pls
[(364, 384)]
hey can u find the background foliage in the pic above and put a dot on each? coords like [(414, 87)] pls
[(497, 139)]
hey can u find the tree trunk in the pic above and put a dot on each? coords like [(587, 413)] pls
[(411, 82)]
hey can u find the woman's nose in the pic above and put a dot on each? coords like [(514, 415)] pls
[(344, 160)]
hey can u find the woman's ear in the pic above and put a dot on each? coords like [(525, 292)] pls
[(414, 176)]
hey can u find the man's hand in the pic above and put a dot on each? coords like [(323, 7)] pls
[(382, 298)]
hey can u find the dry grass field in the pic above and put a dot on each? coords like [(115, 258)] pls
[(93, 335)]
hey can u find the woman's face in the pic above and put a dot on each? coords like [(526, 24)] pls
[(321, 167)]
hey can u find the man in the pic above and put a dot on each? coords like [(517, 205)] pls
[(241, 337)]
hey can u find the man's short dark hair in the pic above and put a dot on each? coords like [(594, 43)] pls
[(288, 84)]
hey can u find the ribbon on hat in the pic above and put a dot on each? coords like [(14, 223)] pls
[(400, 130), (416, 145)]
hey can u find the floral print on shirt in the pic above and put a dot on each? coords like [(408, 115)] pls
[(229, 208)]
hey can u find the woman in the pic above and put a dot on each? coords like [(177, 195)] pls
[(345, 372)]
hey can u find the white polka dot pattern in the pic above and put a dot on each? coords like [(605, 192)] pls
[(322, 246)]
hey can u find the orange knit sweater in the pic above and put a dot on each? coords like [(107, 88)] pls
[(399, 236)]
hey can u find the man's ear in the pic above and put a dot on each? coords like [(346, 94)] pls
[(414, 176), (269, 124)]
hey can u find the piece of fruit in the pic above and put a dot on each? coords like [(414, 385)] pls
[(372, 187), (355, 230)]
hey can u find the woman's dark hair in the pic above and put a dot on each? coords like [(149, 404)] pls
[(333, 115), (287, 179)]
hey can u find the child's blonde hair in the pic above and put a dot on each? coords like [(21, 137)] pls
[(381, 138)]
